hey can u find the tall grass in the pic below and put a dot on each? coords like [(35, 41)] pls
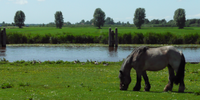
[(126, 35)]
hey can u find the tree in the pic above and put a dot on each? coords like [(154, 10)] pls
[(82, 22), (19, 18), (59, 19), (109, 21), (179, 18), (99, 18), (146, 21), (139, 17)]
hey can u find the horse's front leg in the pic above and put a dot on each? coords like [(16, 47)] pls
[(146, 79), (138, 83)]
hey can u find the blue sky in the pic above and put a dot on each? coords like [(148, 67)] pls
[(42, 11)]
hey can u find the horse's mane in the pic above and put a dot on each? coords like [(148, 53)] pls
[(136, 51), (141, 49)]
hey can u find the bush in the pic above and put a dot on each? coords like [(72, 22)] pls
[(191, 38), (137, 38), (176, 40), (128, 38), (151, 38)]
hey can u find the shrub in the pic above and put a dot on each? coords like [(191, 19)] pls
[(151, 38), (137, 38), (191, 38), (126, 38), (176, 40), (59, 62), (103, 38)]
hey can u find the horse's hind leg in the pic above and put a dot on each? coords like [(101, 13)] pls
[(146, 79), (169, 86), (181, 86)]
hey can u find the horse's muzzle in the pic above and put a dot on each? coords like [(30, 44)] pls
[(123, 87)]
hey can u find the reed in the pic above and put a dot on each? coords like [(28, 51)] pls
[(127, 35)]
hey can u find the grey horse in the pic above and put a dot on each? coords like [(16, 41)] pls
[(144, 59)]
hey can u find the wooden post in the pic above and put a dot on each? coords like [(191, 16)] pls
[(0, 38), (113, 38), (109, 38), (4, 37), (116, 37)]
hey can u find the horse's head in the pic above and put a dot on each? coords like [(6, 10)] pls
[(125, 80)]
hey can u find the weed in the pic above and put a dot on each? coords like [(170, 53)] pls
[(59, 62), (6, 85), (197, 93)]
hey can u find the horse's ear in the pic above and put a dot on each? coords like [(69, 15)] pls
[(121, 72)]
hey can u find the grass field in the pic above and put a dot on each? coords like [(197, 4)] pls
[(96, 32), (68, 81)]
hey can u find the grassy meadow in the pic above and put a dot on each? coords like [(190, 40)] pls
[(58, 80), (127, 35), (96, 32)]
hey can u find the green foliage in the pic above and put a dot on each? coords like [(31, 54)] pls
[(109, 21), (19, 18), (91, 35), (179, 18), (139, 17), (99, 18), (59, 19), (191, 38), (137, 38)]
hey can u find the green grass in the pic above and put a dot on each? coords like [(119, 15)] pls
[(70, 81), (96, 32), (126, 35)]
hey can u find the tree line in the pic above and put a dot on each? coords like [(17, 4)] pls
[(99, 20)]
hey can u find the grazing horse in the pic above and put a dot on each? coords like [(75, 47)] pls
[(144, 59)]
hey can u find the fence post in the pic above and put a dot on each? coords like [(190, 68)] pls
[(116, 37), (109, 38), (0, 38), (4, 37)]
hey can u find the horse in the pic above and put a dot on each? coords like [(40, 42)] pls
[(144, 59)]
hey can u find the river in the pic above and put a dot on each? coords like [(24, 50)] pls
[(81, 53)]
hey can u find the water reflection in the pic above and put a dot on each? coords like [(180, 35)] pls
[(3, 51), (112, 51)]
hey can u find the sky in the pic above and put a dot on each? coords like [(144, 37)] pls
[(42, 11)]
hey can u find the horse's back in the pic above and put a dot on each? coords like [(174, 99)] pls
[(159, 58)]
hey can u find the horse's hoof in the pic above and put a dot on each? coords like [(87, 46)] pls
[(168, 88), (136, 89), (146, 90)]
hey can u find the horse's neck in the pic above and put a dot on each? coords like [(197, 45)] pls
[(126, 70)]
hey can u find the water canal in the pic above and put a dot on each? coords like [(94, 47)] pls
[(82, 53)]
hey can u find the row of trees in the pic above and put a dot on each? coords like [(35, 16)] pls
[(99, 19)]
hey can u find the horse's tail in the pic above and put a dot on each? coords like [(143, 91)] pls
[(181, 70)]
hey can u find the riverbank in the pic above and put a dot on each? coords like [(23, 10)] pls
[(104, 45), (28, 80)]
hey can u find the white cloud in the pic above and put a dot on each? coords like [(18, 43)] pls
[(193, 16), (20, 2)]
